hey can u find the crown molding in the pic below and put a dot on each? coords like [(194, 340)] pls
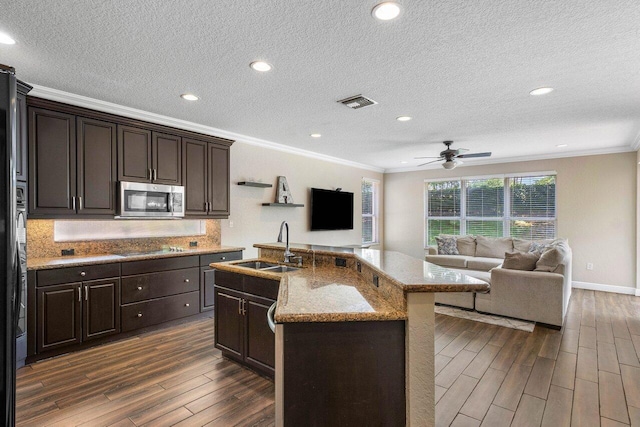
[(134, 113), (596, 152)]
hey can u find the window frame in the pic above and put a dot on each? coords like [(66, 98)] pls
[(375, 215), (506, 218)]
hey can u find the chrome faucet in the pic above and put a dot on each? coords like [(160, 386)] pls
[(287, 253)]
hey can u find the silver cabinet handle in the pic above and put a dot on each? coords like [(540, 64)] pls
[(155, 174), (86, 293), (139, 314), (79, 203), (239, 306), (186, 305), (244, 310), (82, 273), (73, 203), (139, 288), (186, 280), (206, 206), (79, 293), (150, 174), (224, 257)]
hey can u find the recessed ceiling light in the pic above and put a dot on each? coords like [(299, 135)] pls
[(386, 11), (5, 39), (315, 135), (403, 118), (562, 145), (260, 66), (541, 91), (404, 162), (189, 97)]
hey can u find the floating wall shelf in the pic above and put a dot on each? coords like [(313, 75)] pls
[(254, 184), (284, 205)]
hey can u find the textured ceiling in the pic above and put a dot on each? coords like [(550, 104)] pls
[(463, 69)]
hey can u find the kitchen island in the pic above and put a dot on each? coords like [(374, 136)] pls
[(355, 316)]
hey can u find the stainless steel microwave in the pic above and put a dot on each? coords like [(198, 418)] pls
[(142, 200)]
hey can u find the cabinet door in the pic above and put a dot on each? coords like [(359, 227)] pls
[(229, 322), (101, 313), (207, 281), (219, 180), (134, 154), (260, 341), (194, 176), (167, 159), (59, 316), (52, 163), (21, 133), (97, 163)]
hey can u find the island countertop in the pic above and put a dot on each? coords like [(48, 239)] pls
[(322, 292)]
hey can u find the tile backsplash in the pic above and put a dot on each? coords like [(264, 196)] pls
[(41, 244)]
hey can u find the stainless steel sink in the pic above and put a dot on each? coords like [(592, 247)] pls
[(280, 269), (257, 265)]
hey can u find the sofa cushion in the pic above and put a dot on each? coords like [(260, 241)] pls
[(466, 245), (459, 261), (524, 245), (485, 276), (492, 247), (552, 258), (447, 245), (483, 264), (520, 261)]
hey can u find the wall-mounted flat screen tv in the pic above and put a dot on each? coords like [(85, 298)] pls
[(331, 210)]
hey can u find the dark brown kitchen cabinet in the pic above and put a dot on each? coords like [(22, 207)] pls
[(208, 276), (52, 163), (96, 167), (241, 328), (59, 316), (145, 156), (101, 309), (205, 176), (72, 165), (21, 130)]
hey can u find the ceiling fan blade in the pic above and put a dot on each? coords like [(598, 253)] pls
[(428, 163), (467, 156), (429, 157), (462, 150)]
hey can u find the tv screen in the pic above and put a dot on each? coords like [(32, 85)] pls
[(331, 210)]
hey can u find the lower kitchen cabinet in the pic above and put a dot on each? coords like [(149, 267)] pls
[(159, 310), (75, 312), (241, 328), (208, 276)]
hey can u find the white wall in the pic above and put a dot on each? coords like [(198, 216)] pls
[(596, 210), (253, 223)]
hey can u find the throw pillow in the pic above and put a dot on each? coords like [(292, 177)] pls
[(521, 245), (551, 259), (447, 246), (538, 248), (466, 245), (520, 261), (491, 247)]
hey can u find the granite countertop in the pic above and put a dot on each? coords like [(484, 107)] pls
[(80, 260), (313, 294), (409, 273), (336, 294)]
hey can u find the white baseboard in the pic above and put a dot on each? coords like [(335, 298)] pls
[(606, 288)]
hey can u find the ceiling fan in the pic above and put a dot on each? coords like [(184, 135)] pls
[(451, 156)]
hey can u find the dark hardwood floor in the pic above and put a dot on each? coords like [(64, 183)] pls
[(587, 374)]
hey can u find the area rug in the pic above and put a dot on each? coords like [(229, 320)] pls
[(521, 325)]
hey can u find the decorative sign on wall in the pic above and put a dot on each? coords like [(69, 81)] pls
[(283, 194)]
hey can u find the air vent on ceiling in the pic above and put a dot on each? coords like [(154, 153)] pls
[(357, 101)]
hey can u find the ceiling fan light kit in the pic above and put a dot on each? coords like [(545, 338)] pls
[(451, 156)]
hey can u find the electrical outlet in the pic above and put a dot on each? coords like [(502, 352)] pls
[(193, 244), (341, 262), (230, 224), (359, 267), (376, 281), (66, 252), (589, 266)]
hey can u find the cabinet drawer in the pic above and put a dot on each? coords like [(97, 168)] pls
[(261, 287), (219, 257), (156, 285), (159, 310), (229, 280), (160, 264), (76, 274)]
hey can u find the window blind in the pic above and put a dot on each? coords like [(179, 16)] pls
[(533, 207), (369, 211)]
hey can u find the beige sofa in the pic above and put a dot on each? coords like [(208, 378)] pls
[(541, 296)]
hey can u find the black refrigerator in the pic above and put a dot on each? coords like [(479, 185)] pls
[(9, 257)]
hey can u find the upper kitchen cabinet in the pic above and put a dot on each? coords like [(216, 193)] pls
[(145, 156), (205, 176), (21, 129), (72, 165)]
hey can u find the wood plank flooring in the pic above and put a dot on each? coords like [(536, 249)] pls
[(587, 374)]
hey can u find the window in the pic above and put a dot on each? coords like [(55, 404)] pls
[(517, 206), (369, 211)]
